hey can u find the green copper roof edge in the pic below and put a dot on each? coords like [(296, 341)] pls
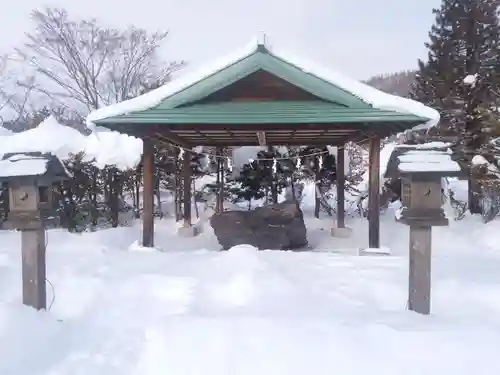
[(267, 119), (234, 112)]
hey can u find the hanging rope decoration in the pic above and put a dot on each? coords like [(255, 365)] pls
[(320, 163), (298, 164), (275, 166), (182, 151)]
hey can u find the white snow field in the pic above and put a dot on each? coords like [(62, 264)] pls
[(187, 308)]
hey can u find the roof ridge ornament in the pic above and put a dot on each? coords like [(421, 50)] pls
[(262, 43)]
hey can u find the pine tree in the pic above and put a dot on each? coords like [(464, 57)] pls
[(464, 43)]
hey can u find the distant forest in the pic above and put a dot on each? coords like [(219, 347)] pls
[(394, 83)]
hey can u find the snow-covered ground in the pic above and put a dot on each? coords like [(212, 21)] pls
[(191, 309)]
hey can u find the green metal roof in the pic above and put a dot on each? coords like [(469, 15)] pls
[(263, 112), (261, 60), (337, 115)]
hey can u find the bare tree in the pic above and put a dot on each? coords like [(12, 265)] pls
[(82, 64), (14, 101)]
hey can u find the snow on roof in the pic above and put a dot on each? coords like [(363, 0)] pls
[(428, 145), (450, 166), (105, 148), (370, 95), (23, 165), (367, 93), (426, 161), (433, 157)]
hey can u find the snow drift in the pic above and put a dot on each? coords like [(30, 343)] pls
[(101, 147)]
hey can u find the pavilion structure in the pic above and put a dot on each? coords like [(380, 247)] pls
[(258, 96)]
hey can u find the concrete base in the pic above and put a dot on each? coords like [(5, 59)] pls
[(341, 232), (188, 232)]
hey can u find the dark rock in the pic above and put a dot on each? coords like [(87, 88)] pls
[(277, 227)]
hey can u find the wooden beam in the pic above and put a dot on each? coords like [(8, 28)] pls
[(205, 137), (173, 139), (278, 142), (340, 187), (374, 194), (148, 194)]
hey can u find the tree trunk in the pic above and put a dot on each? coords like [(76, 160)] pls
[(113, 197), (474, 191), (294, 194), (158, 195), (94, 212), (317, 200), (194, 200)]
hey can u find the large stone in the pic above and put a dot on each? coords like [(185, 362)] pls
[(277, 227)]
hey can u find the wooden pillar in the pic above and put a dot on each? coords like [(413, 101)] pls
[(33, 268), (175, 185), (419, 294), (222, 177), (374, 194), (218, 181), (340, 187), (148, 194), (186, 173)]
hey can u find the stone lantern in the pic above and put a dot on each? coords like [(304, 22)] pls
[(29, 177), (421, 171)]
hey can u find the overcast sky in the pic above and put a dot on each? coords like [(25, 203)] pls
[(360, 38)]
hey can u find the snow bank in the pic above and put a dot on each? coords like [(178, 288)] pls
[(106, 148), (459, 188), (248, 312), (5, 132), (368, 94)]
